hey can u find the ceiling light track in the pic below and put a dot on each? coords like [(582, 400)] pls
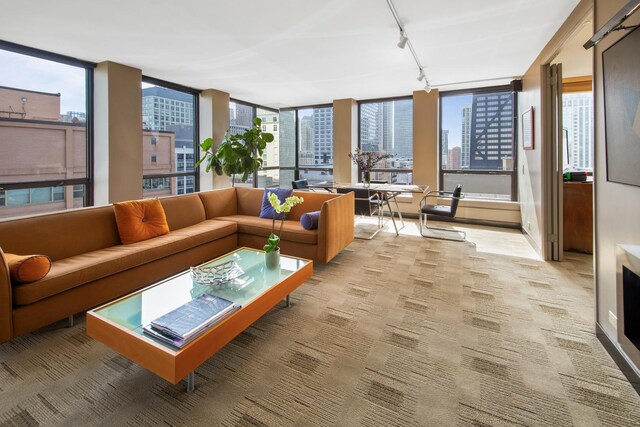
[(406, 41)]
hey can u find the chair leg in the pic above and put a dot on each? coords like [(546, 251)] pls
[(426, 226)]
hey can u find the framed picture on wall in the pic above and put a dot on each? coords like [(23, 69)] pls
[(527, 129)]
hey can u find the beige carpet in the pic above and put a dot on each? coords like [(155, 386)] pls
[(396, 331)]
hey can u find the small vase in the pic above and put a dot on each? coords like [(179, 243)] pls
[(366, 179), (272, 259)]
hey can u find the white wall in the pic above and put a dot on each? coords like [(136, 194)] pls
[(616, 205)]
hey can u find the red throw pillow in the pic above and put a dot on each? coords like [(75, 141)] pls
[(27, 268), (140, 220)]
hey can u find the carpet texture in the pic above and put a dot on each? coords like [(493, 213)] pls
[(395, 331)]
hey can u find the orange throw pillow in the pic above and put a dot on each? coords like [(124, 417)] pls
[(28, 268), (140, 220)]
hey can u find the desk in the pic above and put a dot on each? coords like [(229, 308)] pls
[(388, 192), (578, 216)]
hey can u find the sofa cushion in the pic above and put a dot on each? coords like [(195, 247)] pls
[(28, 268), (249, 200), (78, 270), (183, 211), (309, 221), (140, 220), (266, 210), (292, 230), (217, 203), (61, 234)]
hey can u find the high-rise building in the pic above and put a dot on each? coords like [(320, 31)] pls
[(287, 137), (162, 107), (577, 111), (444, 149), (466, 137), (168, 110), (370, 126), (323, 136), (306, 141), (491, 131), (454, 158), (387, 126)]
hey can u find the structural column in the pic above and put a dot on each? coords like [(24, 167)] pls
[(345, 139), (214, 122), (425, 138), (118, 133)]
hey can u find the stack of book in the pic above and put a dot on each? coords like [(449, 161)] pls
[(187, 322)]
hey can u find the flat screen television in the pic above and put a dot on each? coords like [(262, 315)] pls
[(621, 71)]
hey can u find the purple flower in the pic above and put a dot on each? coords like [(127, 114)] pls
[(366, 160)]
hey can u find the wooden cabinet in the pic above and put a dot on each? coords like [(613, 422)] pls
[(578, 216)]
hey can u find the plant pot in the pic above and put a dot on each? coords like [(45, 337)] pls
[(272, 259)]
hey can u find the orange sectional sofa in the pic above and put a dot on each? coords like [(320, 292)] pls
[(90, 266)]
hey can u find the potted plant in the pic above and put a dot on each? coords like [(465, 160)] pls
[(239, 154), (366, 160), (280, 210)]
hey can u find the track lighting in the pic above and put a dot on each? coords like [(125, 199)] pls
[(403, 40)]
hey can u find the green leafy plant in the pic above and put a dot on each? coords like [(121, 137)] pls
[(279, 208), (239, 154)]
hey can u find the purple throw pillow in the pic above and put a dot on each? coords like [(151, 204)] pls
[(267, 210), (309, 221)]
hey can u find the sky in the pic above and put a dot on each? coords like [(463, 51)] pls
[(30, 73), (452, 117)]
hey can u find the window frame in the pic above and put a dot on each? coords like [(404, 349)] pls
[(196, 132), (376, 101), (254, 114), (512, 173), (89, 67)]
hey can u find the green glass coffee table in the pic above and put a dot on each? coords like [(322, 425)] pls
[(119, 324)]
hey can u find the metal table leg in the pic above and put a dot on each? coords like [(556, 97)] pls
[(393, 219), (191, 382), (287, 301), (395, 200), (70, 321)]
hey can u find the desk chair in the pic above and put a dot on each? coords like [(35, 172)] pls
[(301, 184), (369, 203), (448, 211)]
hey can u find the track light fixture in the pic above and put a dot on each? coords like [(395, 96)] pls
[(403, 40)]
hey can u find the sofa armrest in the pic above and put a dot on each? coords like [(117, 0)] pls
[(6, 301), (336, 226)]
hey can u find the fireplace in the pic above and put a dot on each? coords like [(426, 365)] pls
[(628, 299)]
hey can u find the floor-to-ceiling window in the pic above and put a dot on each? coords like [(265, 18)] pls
[(387, 126), (169, 138), (477, 143), (315, 143), (270, 174), (241, 115), (45, 131)]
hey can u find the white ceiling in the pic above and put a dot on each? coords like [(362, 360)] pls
[(295, 52)]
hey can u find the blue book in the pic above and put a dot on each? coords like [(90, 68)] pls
[(191, 318)]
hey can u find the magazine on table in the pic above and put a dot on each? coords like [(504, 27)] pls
[(192, 317), (177, 342)]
